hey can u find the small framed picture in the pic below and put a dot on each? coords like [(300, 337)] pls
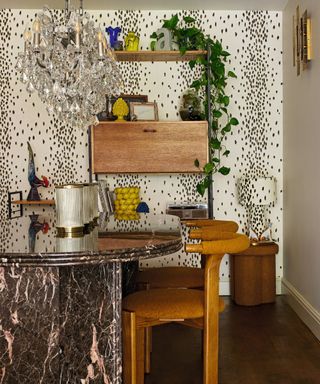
[(135, 98), (144, 111)]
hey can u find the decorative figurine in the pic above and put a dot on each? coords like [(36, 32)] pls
[(34, 181), (143, 207), (118, 46), (120, 109), (113, 35), (34, 227), (165, 41), (132, 42)]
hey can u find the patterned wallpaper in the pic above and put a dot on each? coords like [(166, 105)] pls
[(254, 38)]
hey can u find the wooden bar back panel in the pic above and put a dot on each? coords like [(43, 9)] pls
[(149, 146)]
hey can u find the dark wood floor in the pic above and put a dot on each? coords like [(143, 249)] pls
[(266, 344)]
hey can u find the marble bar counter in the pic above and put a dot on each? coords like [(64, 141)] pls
[(60, 298)]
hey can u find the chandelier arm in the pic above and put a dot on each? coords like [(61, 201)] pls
[(42, 66), (46, 8), (66, 9), (81, 7)]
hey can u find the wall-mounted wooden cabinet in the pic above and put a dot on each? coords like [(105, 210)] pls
[(149, 146)]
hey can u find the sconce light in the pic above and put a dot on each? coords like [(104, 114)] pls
[(302, 48), (256, 194)]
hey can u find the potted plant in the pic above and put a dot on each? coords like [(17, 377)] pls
[(190, 108), (214, 74)]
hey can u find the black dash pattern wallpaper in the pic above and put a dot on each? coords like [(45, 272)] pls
[(254, 39)]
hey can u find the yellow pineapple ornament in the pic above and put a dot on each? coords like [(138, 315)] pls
[(120, 109)]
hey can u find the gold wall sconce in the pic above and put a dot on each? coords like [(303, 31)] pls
[(302, 48)]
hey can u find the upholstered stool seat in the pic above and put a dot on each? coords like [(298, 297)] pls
[(171, 277), (166, 303)]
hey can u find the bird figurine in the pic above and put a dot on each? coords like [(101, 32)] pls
[(34, 181), (34, 227)]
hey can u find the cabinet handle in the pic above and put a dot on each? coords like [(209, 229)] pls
[(149, 130)]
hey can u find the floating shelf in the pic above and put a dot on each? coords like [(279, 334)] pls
[(35, 202), (157, 55)]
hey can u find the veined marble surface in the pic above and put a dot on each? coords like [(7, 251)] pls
[(33, 241), (60, 303)]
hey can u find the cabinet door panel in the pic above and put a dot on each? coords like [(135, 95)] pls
[(149, 147)]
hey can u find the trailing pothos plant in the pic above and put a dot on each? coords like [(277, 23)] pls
[(213, 74)]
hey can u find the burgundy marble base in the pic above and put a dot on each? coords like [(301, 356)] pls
[(60, 324)]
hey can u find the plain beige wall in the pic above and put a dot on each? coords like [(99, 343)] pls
[(302, 163)]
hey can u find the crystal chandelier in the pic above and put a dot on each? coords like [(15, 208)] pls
[(68, 62)]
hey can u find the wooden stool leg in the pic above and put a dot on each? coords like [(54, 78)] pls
[(140, 355), (148, 338), (129, 347), (211, 320), (210, 353), (148, 333)]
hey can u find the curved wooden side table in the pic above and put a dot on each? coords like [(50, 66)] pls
[(253, 279)]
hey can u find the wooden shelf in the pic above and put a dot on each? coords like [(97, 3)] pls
[(157, 55), (35, 202)]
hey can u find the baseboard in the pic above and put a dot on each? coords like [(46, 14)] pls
[(278, 286), (224, 287), (307, 313)]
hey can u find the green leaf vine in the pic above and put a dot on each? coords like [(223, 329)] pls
[(189, 37)]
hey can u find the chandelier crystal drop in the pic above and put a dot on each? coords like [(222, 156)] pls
[(68, 62)]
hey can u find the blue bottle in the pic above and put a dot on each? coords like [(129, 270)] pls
[(113, 35)]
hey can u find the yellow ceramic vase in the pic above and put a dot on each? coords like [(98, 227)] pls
[(131, 42)]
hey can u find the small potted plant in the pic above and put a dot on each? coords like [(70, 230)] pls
[(190, 108)]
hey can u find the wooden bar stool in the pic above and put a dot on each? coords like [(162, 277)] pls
[(191, 307), (180, 277)]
